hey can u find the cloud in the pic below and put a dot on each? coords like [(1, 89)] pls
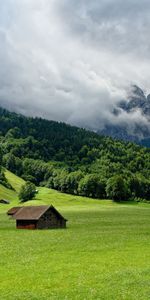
[(110, 23), (70, 60)]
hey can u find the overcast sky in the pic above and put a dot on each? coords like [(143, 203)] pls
[(71, 60)]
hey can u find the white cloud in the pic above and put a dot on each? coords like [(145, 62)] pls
[(72, 60)]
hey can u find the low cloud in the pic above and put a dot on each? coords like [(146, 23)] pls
[(70, 60)]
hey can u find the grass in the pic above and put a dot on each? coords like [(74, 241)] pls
[(103, 254)]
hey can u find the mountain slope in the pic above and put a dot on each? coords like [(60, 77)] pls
[(11, 194), (15, 181)]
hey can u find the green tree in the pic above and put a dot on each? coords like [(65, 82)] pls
[(27, 192), (140, 187), (73, 180), (92, 186), (9, 162), (13, 163), (117, 188)]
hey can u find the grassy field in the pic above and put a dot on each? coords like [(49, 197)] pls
[(103, 254)]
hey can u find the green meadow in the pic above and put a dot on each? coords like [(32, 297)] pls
[(103, 254)]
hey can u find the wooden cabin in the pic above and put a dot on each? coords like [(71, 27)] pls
[(39, 217)]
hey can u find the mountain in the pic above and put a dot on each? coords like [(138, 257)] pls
[(137, 100), (71, 159), (131, 118)]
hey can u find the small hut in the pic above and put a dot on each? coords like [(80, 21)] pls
[(4, 201), (13, 210), (38, 217)]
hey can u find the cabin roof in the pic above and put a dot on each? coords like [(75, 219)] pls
[(13, 210), (34, 212)]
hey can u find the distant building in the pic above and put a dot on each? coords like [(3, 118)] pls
[(37, 217), (4, 201)]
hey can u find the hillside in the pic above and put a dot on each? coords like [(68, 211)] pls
[(10, 194), (45, 196), (73, 160), (96, 257)]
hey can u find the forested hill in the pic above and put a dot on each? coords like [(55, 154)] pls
[(43, 139), (73, 160)]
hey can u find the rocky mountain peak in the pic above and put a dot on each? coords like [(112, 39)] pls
[(135, 128), (137, 100)]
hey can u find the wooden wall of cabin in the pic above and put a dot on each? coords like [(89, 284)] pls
[(50, 220), (26, 224)]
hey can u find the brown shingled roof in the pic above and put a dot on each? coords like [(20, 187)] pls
[(34, 212), (13, 210), (30, 212)]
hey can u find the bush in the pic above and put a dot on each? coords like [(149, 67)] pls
[(138, 199)]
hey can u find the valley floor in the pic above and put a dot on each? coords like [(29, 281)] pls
[(103, 254)]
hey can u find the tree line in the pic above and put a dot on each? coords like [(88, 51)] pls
[(73, 160)]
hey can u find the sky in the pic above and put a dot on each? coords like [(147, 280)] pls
[(73, 60)]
